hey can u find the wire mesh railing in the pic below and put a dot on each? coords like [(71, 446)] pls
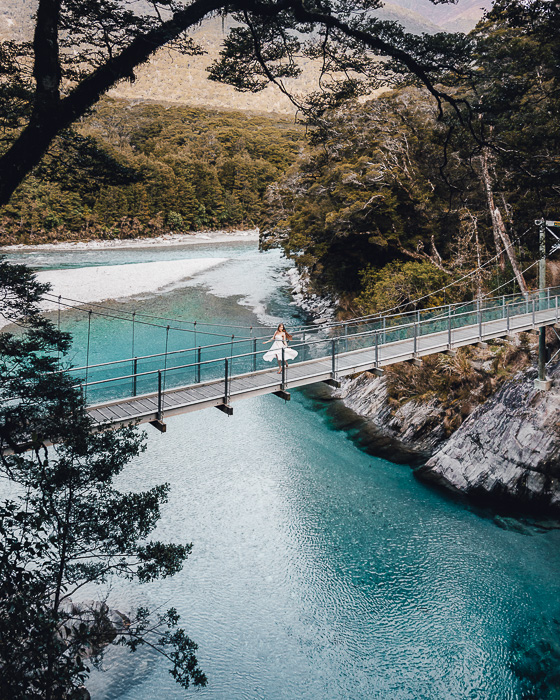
[(220, 362)]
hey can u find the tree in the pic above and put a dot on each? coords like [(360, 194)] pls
[(66, 524), (398, 284), (367, 191), (394, 180), (80, 50), (511, 79)]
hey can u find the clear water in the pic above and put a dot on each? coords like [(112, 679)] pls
[(320, 572)]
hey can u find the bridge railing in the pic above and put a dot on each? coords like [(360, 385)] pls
[(486, 305), (162, 371)]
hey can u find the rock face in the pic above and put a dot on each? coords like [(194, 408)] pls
[(319, 308), (507, 452), (508, 449), (414, 426)]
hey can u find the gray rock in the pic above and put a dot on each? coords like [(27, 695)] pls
[(508, 449), (414, 425)]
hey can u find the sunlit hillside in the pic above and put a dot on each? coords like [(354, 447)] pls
[(172, 77)]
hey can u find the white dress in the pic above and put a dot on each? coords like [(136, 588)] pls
[(275, 351)]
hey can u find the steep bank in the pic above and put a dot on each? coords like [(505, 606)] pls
[(502, 446), (508, 449), (415, 428)]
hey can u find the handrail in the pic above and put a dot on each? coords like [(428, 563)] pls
[(376, 333), (319, 329)]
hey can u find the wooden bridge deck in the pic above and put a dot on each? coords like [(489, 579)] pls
[(195, 397)]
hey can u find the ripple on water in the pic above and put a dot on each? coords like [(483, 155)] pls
[(322, 573)]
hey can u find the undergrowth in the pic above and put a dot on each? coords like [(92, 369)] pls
[(460, 382)]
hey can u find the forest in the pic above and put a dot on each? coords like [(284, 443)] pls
[(133, 170), (393, 198), (377, 201)]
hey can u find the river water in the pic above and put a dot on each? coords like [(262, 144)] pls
[(319, 571)]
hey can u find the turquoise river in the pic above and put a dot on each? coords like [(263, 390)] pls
[(319, 571)]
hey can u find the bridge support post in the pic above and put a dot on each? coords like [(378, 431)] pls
[(198, 361), (283, 382), (224, 406), (333, 359), (158, 423), (226, 380), (479, 315), (449, 327), (254, 354), (376, 349), (542, 383), (160, 396), (415, 349), (134, 377)]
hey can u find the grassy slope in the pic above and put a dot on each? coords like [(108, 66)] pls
[(171, 77)]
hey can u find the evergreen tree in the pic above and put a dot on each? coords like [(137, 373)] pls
[(66, 524)]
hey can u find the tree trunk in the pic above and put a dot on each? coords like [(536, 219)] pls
[(51, 114), (498, 226)]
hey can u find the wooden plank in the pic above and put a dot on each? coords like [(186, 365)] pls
[(97, 416), (120, 410), (145, 405), (114, 416), (190, 394), (106, 415), (209, 392), (245, 383)]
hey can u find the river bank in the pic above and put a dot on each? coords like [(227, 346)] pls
[(496, 441), (165, 240)]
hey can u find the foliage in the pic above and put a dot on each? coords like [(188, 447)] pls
[(66, 525), (456, 383), (368, 191), (397, 284), (149, 169), (80, 50), (400, 179)]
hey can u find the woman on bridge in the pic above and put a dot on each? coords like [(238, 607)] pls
[(280, 342)]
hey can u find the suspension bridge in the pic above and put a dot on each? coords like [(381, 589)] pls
[(151, 388)]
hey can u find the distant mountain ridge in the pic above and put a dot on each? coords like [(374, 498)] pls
[(171, 77), (449, 17)]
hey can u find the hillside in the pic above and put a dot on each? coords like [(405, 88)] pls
[(143, 169), (172, 77)]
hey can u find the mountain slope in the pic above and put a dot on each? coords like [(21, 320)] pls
[(172, 77)]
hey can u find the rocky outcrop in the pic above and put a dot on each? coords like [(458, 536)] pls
[(508, 450), (413, 426), (320, 308)]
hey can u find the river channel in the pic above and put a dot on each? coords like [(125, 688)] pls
[(319, 571)]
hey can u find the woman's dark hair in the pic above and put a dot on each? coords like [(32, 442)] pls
[(288, 336)]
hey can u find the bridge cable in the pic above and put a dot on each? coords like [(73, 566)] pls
[(374, 316), (385, 312)]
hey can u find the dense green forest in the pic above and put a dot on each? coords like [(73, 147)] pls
[(393, 199), (144, 169), (380, 202)]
